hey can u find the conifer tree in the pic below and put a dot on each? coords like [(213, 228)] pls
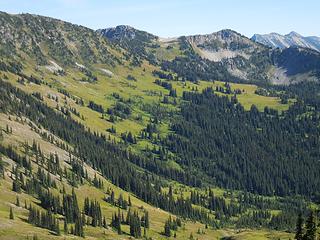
[(299, 228), (167, 231), (78, 227), (16, 186), (129, 202), (135, 225), (11, 216), (57, 228), (65, 226), (311, 228), (1, 163), (18, 201), (105, 222), (146, 220), (119, 223)]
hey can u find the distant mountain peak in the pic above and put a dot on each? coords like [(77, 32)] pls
[(293, 34), (276, 40), (124, 32)]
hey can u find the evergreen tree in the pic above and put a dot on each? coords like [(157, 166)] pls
[(78, 227), (311, 228), (119, 223), (57, 228), (16, 186), (1, 162), (129, 202), (299, 228), (18, 201), (135, 225), (65, 226), (105, 222), (146, 220), (11, 216), (167, 231)]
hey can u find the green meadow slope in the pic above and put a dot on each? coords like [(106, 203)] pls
[(122, 94)]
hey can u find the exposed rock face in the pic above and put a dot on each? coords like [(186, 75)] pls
[(125, 33), (224, 44), (292, 39)]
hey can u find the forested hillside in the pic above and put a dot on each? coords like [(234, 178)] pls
[(117, 134)]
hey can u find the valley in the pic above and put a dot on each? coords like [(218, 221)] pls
[(124, 127)]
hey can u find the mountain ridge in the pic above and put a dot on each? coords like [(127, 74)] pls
[(230, 53), (125, 136), (276, 40)]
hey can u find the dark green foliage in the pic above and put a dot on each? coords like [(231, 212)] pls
[(1, 167), (44, 219), (97, 182), (167, 231), (128, 138), (171, 224), (118, 165), (311, 229), (146, 220), (121, 110), (21, 161), (121, 202), (11, 67), (131, 78), (11, 216), (17, 201), (96, 107), (93, 209), (90, 77), (222, 134), (135, 225), (299, 228), (162, 75), (297, 60), (116, 222), (283, 221), (16, 186), (45, 178), (78, 227), (38, 96), (71, 207), (112, 129), (65, 227), (163, 84)]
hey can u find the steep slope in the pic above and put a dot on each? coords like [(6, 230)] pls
[(126, 123), (292, 39), (36, 146), (45, 39), (229, 55), (294, 64), (133, 40), (235, 51), (223, 55), (224, 44)]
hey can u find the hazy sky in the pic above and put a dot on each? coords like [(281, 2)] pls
[(181, 17)]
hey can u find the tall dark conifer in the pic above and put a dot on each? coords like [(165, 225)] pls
[(311, 229), (299, 228)]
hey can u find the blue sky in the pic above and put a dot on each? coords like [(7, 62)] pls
[(181, 17)]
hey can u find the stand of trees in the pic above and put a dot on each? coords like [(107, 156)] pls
[(110, 159), (248, 150), (220, 127), (44, 219), (171, 224), (307, 230)]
